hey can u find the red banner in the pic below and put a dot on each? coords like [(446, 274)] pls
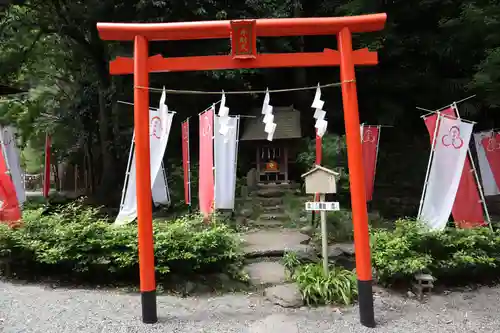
[(370, 141), (10, 212), (319, 151), (467, 209), (46, 176), (319, 155), (206, 174), (186, 163), (492, 149)]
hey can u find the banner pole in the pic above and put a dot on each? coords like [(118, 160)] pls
[(431, 155), (127, 172), (167, 189), (236, 158), (476, 177), (189, 166), (376, 157), (214, 154)]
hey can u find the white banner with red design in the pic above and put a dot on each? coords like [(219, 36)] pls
[(488, 181), (370, 138), (450, 151), (467, 209), (226, 155), (159, 131)]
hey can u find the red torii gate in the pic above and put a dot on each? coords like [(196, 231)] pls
[(243, 34)]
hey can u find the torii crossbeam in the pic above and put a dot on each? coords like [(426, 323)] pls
[(243, 35)]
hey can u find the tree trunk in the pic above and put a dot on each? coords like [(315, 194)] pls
[(90, 166), (108, 175)]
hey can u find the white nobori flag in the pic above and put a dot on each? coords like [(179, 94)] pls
[(159, 131), (226, 156), (451, 145)]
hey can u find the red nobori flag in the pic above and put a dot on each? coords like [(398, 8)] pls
[(370, 140), (319, 151), (492, 149), (186, 163), (206, 173), (319, 155), (10, 212), (467, 209)]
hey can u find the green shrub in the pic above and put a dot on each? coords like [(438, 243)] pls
[(73, 240), (453, 256), (334, 156), (338, 287), (291, 261)]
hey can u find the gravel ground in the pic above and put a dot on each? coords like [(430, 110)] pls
[(29, 309)]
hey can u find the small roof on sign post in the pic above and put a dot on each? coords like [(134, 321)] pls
[(317, 168), (320, 180)]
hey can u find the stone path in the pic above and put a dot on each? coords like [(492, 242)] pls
[(267, 248), (264, 248)]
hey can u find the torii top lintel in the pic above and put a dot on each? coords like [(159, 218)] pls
[(274, 27), (244, 55)]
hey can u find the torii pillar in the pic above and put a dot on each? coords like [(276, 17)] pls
[(243, 34)]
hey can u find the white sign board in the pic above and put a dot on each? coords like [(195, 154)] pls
[(329, 206)]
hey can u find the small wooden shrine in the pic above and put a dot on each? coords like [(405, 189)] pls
[(273, 159)]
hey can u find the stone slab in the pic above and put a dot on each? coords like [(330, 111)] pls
[(286, 295), (273, 242), (266, 273)]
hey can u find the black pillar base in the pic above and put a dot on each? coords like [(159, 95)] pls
[(365, 299), (148, 302)]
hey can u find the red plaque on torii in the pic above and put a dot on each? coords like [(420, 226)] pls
[(243, 39)]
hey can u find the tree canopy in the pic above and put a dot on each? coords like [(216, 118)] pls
[(431, 53)]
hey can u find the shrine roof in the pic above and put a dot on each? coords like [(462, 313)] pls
[(287, 121)]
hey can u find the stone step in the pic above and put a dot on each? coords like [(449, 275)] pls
[(271, 193), (273, 209), (269, 202), (280, 186), (274, 217), (266, 223), (266, 273), (274, 242)]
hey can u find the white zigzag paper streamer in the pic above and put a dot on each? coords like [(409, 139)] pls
[(319, 114), (163, 106), (268, 120), (224, 117)]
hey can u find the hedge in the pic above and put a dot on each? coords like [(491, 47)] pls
[(73, 240), (453, 256)]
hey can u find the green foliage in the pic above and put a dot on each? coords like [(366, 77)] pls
[(453, 256), (334, 156), (338, 287), (74, 240), (294, 207), (291, 261), (176, 186)]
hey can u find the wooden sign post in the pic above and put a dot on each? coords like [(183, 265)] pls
[(322, 180)]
